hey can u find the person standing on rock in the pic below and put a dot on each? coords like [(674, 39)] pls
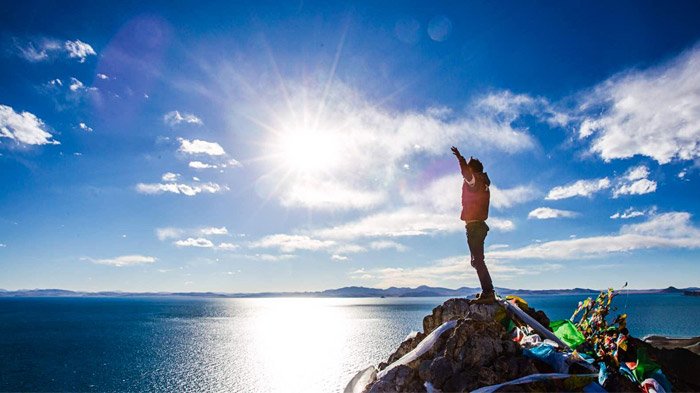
[(475, 211)]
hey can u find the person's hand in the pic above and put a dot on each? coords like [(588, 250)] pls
[(456, 152)]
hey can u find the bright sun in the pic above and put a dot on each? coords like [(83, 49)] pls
[(308, 151)]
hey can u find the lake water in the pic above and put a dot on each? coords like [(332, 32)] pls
[(240, 345)]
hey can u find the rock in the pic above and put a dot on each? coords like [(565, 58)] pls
[(464, 381), (478, 352), (399, 379), (424, 370), (458, 308), (404, 348), (692, 344), (474, 343), (440, 371), (679, 365)]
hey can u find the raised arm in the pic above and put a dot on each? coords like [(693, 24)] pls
[(466, 169)]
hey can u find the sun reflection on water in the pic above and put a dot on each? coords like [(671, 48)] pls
[(294, 340)]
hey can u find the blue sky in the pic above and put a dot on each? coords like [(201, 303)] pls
[(277, 146)]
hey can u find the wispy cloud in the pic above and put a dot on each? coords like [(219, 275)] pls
[(227, 246), (198, 146), (174, 118), (44, 49), (450, 271), (544, 213), (369, 139), (124, 260), (505, 198), (387, 244), (290, 243), (24, 128), (632, 213), (667, 230), (78, 50), (85, 127), (635, 182), (583, 188), (203, 165), (214, 231), (330, 195), (187, 189), (651, 112), (402, 222), (271, 257), (176, 233), (199, 242)]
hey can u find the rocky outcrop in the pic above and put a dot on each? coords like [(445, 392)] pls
[(478, 351)]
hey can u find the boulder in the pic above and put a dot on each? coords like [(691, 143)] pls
[(478, 352)]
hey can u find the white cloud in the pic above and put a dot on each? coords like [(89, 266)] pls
[(667, 230), (337, 257), (543, 213), (78, 50), (76, 85), (639, 187), (180, 188), (194, 242), (85, 127), (634, 182), (502, 224), (271, 257), (407, 221), (24, 128), (102, 76), (505, 198), (386, 244), (651, 112), (348, 248), (36, 52), (225, 164), (170, 177), (583, 188), (441, 195), (227, 246), (198, 146), (402, 222), (637, 173), (214, 231), (175, 233), (497, 246), (168, 233), (631, 213), (451, 271), (366, 148), (200, 165), (124, 260), (290, 243), (174, 118), (45, 49), (330, 195)]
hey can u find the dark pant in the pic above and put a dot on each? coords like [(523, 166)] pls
[(476, 234)]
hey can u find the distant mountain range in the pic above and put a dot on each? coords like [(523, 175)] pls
[(421, 291)]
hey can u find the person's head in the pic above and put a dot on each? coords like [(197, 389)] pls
[(476, 165)]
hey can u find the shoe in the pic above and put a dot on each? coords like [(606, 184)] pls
[(485, 298)]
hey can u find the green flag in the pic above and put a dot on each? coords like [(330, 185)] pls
[(567, 332)]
